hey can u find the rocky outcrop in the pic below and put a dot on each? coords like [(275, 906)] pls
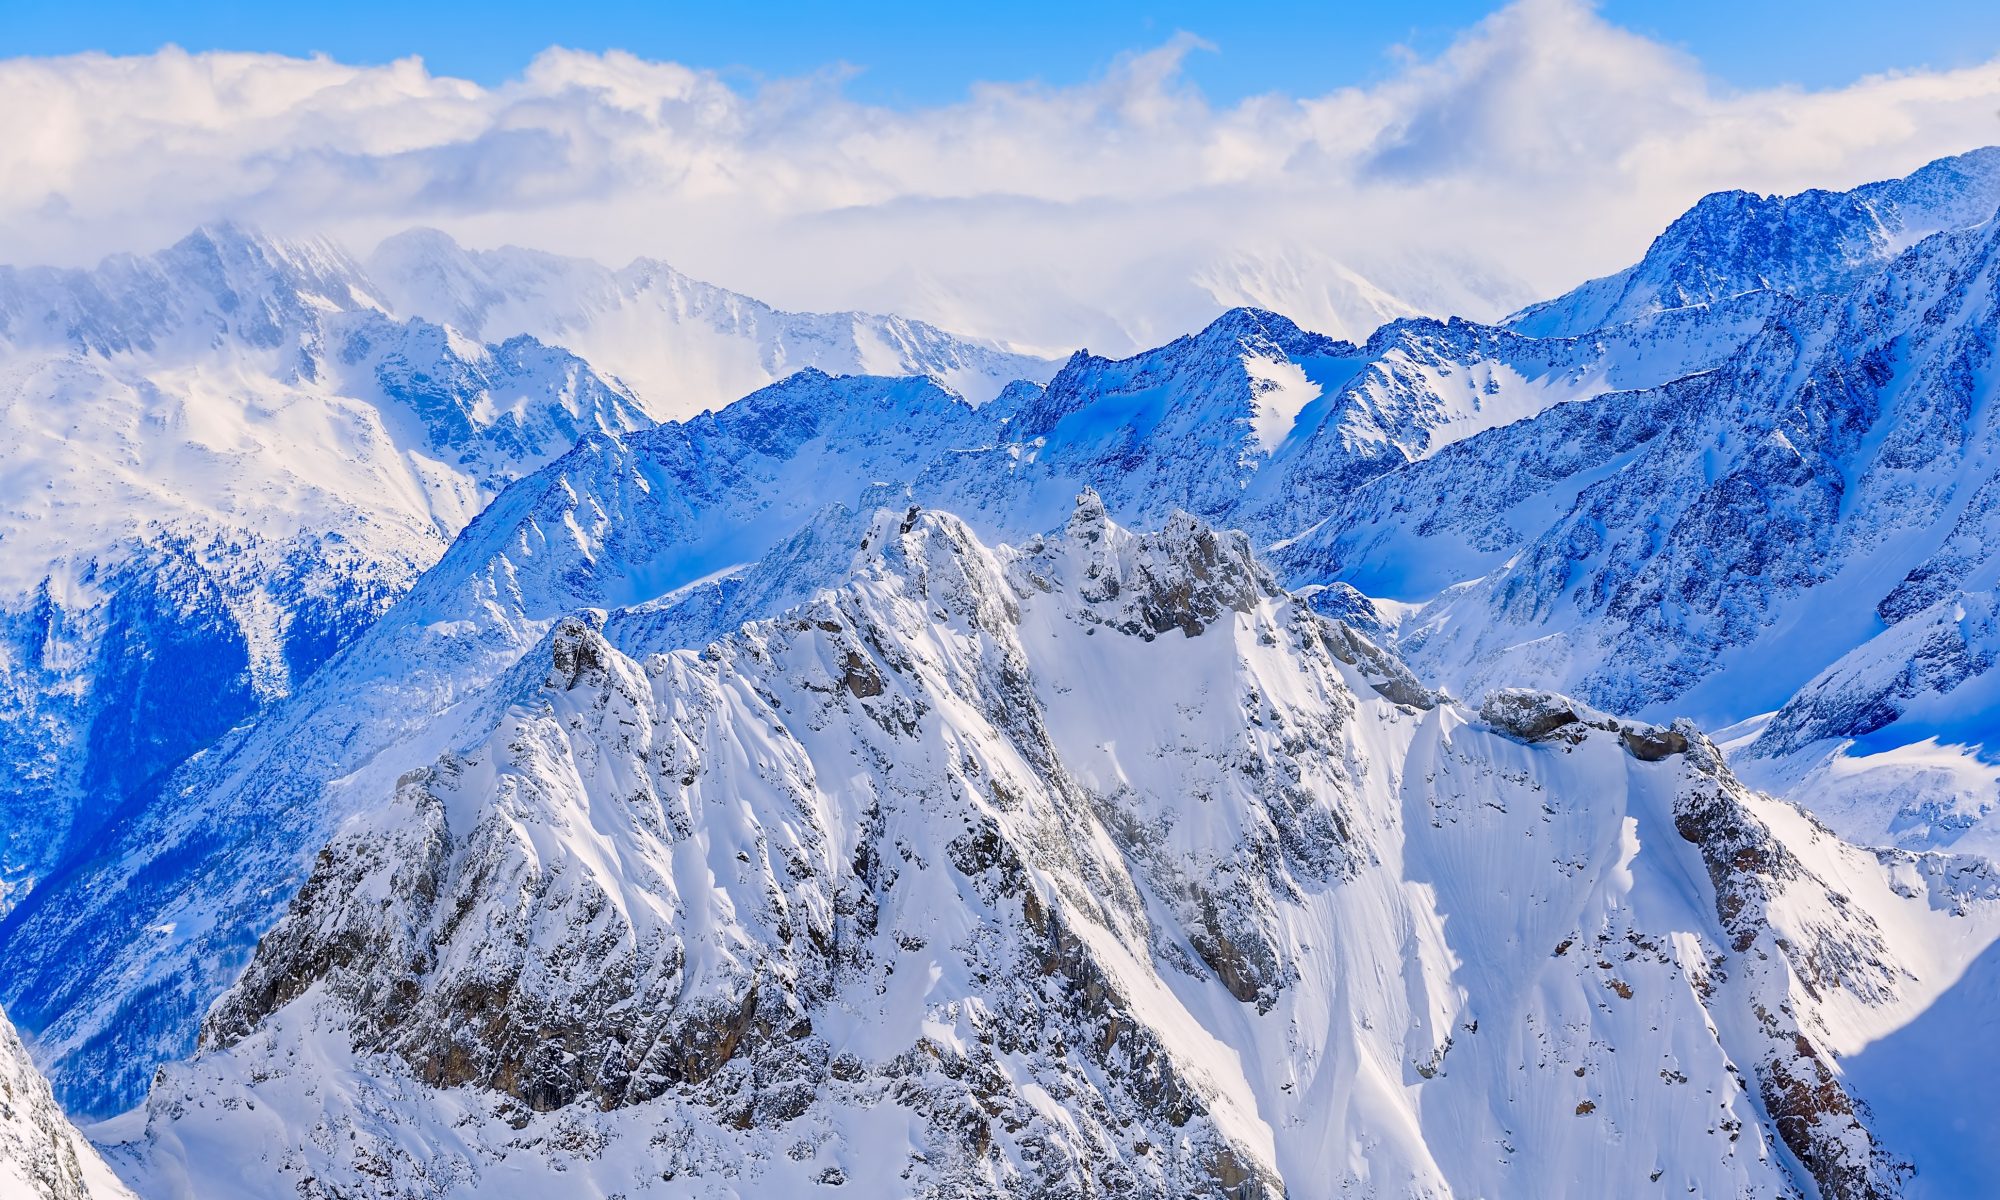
[(1534, 716), (1751, 871), (1185, 578)]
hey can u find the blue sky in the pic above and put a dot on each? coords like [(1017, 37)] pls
[(920, 54)]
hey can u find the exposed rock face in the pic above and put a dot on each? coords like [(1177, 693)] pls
[(1185, 580), (1751, 870), (1533, 716), (1090, 867)]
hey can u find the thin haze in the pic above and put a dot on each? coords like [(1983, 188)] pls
[(1541, 145)]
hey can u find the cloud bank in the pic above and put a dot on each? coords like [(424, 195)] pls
[(1544, 146)]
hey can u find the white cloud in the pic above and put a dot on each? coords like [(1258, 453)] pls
[(1544, 146)]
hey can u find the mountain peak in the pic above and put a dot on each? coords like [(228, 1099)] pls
[(224, 282), (421, 239), (1732, 242), (1958, 190), (1088, 520), (316, 264), (1244, 323), (227, 235)]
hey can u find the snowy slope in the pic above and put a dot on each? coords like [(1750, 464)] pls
[(1100, 864), (680, 344), (1895, 740), (42, 1156), (1817, 241)]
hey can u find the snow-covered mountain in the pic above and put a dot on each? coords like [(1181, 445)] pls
[(210, 857), (42, 1156), (1102, 863), (1808, 528), (633, 519), (680, 344), (1354, 293), (578, 843), (1260, 423), (224, 461), (227, 458)]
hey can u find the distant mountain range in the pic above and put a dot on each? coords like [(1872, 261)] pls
[(680, 344)]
